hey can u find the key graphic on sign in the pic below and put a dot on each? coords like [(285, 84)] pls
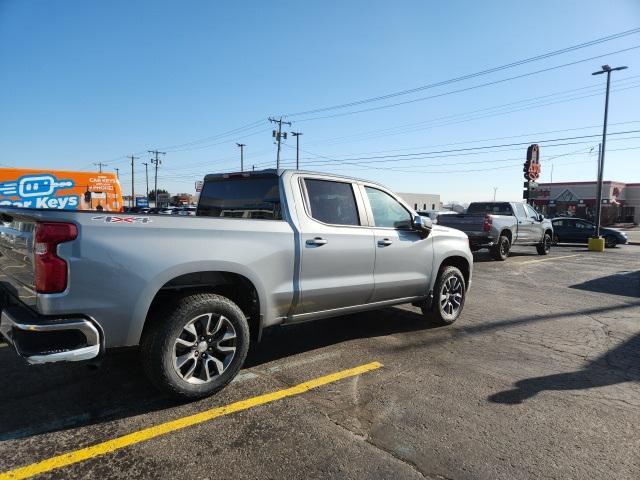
[(39, 186)]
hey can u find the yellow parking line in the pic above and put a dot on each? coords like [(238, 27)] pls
[(550, 258), (108, 446)]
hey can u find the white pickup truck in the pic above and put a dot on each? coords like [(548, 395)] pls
[(265, 248)]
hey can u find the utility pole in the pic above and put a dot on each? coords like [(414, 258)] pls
[(156, 162), (117, 173), (278, 135), (495, 189), (297, 135), (146, 174), (605, 69), (241, 145), (133, 193), (100, 165)]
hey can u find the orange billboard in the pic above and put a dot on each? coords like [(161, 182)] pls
[(59, 189)]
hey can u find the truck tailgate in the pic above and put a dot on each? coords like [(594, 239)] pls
[(470, 224), (16, 258)]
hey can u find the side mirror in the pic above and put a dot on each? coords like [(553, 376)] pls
[(540, 217), (422, 225)]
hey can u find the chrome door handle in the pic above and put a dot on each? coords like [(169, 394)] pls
[(385, 242), (316, 241)]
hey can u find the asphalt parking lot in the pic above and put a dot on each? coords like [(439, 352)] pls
[(539, 379)]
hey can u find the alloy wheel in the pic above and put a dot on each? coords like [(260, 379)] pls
[(204, 348), (451, 296)]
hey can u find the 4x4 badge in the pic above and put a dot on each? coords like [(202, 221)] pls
[(116, 219)]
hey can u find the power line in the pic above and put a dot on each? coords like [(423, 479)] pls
[(466, 89), (471, 75)]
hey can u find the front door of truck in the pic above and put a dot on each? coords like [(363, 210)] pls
[(337, 247), (403, 259)]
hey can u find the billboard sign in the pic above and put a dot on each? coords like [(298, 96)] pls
[(62, 190)]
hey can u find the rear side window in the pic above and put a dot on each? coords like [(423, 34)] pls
[(490, 207), (332, 202), (242, 197)]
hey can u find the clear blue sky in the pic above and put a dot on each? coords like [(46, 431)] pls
[(84, 82)]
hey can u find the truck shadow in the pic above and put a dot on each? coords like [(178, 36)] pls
[(618, 365), (63, 396), (625, 283), (483, 256), (38, 400)]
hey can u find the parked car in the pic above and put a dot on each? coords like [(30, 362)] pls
[(500, 225), (185, 211), (577, 230), (320, 246)]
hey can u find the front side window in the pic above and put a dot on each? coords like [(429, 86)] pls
[(241, 197), (332, 202), (532, 213), (387, 211)]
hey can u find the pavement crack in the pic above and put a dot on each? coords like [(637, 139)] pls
[(365, 438)]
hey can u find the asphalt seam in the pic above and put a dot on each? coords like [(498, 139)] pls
[(391, 453)]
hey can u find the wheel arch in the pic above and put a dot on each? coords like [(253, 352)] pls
[(461, 263), (239, 286)]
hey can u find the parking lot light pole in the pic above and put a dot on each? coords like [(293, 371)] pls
[(605, 69)]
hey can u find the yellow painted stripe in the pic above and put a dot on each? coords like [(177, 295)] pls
[(549, 259), (102, 448)]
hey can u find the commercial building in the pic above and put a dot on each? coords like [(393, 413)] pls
[(620, 201), (422, 201)]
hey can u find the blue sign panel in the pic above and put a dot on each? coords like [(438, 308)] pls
[(142, 202)]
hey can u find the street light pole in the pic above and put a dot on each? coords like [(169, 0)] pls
[(495, 189), (605, 69), (241, 145), (297, 135)]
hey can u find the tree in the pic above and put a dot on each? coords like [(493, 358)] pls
[(152, 193)]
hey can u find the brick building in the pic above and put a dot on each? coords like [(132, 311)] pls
[(620, 201)]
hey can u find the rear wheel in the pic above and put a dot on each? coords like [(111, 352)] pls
[(198, 348), (500, 251), (449, 295), (544, 247), (610, 241)]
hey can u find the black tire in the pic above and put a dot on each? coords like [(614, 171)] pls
[(500, 251), (544, 247), (439, 312), (610, 242), (160, 347)]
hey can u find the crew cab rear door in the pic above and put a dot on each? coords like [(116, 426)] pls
[(337, 246)]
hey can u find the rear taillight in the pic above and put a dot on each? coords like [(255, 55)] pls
[(51, 270), (486, 225)]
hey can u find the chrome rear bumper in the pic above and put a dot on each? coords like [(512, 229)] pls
[(46, 340)]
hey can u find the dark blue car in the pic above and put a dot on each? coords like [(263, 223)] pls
[(577, 230)]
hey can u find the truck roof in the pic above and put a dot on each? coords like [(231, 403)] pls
[(282, 171)]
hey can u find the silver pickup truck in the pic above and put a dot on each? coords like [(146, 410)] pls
[(265, 248), (499, 225)]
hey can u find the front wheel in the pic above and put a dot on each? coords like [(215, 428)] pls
[(544, 247), (449, 295), (197, 348)]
